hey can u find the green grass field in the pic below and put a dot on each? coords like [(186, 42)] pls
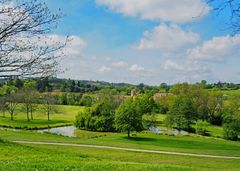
[(65, 116), (82, 158), (231, 92), (49, 157)]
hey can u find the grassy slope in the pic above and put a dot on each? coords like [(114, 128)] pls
[(80, 158), (65, 116), (143, 141), (48, 158)]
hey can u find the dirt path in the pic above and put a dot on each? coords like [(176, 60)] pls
[(129, 149)]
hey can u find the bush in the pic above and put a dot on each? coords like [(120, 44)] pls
[(230, 133), (149, 120), (100, 117), (201, 127)]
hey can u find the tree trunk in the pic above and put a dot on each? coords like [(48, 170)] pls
[(128, 133), (11, 116), (31, 114), (28, 119), (48, 116)]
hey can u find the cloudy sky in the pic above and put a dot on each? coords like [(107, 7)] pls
[(147, 41)]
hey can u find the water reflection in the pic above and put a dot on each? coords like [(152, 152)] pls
[(68, 131), (169, 131)]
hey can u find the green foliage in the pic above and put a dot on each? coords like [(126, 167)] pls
[(182, 113), (231, 125), (86, 100), (129, 116), (149, 120), (100, 117), (202, 127)]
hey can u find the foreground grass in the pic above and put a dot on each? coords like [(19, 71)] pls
[(48, 157), (23, 158), (150, 141), (64, 117)]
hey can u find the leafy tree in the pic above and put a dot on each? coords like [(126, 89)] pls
[(128, 117), (86, 100), (146, 103), (202, 127), (18, 83), (100, 117), (64, 87), (149, 120), (182, 113), (231, 126), (63, 99), (215, 108)]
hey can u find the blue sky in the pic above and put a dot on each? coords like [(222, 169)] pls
[(147, 41)]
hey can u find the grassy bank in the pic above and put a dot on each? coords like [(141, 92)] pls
[(145, 140), (65, 116), (49, 157)]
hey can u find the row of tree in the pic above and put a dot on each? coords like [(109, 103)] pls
[(113, 113), (188, 107), (193, 107), (27, 99)]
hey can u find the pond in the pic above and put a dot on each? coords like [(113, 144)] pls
[(171, 131), (71, 131), (67, 131)]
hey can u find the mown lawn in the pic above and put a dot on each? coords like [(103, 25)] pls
[(145, 140), (49, 157), (65, 116), (15, 157)]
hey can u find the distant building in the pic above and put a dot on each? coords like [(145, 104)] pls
[(133, 93), (158, 96)]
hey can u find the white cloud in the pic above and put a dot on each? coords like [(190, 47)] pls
[(171, 65), (120, 64), (167, 38), (160, 10), (136, 68), (217, 49), (75, 46), (189, 66), (104, 69)]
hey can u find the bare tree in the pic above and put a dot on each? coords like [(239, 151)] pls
[(27, 47), (12, 103), (231, 6), (28, 99), (49, 104), (3, 105)]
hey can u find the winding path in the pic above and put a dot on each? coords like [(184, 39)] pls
[(129, 149)]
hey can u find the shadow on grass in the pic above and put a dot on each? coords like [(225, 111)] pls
[(140, 139)]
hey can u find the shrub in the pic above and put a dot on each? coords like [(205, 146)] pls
[(201, 127), (230, 133)]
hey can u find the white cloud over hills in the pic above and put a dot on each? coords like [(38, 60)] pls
[(160, 10), (167, 38)]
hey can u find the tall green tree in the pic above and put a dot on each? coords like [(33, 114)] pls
[(182, 113), (128, 117)]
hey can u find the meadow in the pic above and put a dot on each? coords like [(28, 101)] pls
[(64, 117), (82, 158), (52, 157)]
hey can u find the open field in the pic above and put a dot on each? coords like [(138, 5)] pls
[(145, 140), (82, 158), (65, 116), (231, 92)]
